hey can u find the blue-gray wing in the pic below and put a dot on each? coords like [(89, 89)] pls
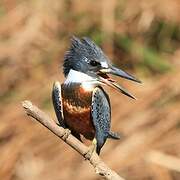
[(101, 116), (57, 103)]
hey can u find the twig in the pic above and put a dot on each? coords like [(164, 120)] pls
[(100, 167)]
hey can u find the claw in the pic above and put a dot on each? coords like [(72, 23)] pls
[(91, 150), (67, 132)]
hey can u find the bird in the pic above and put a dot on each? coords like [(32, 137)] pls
[(80, 102)]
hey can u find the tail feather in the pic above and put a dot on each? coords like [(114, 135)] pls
[(113, 135), (98, 149)]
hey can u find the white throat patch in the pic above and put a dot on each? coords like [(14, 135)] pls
[(87, 82), (77, 77)]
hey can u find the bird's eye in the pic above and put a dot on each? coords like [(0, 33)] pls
[(94, 63)]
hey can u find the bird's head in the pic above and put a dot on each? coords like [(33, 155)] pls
[(86, 57)]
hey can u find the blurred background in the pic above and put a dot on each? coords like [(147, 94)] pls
[(142, 37)]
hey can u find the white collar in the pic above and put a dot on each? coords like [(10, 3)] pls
[(77, 77)]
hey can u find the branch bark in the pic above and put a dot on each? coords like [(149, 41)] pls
[(100, 167)]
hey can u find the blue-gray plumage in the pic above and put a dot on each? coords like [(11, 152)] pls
[(80, 102), (101, 116), (84, 56), (57, 103)]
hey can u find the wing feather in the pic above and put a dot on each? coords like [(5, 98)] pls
[(57, 103), (101, 116)]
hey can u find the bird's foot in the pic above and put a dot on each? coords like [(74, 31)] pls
[(91, 150), (66, 134)]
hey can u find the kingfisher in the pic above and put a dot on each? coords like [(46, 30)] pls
[(80, 102)]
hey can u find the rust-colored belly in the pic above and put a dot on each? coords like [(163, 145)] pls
[(77, 110)]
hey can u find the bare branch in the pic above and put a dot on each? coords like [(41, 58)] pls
[(100, 167)]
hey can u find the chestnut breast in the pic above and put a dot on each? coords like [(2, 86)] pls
[(77, 109)]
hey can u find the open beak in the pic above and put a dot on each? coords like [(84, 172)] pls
[(118, 72), (105, 79)]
